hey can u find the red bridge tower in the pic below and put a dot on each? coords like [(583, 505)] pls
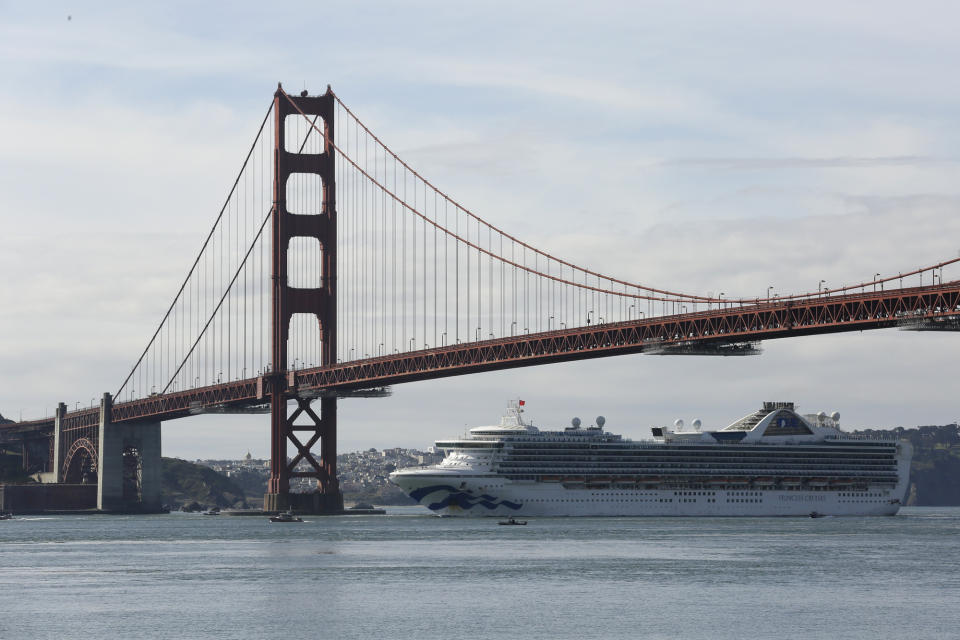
[(320, 302)]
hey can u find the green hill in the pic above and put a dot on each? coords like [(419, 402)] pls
[(935, 470), (11, 470), (185, 483), (934, 473)]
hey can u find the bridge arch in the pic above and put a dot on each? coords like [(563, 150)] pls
[(81, 462)]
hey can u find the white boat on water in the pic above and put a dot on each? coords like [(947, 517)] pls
[(772, 462)]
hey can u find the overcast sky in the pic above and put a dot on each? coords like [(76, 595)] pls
[(702, 147)]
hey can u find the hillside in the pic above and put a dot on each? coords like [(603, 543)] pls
[(10, 467), (934, 475), (935, 470), (184, 483)]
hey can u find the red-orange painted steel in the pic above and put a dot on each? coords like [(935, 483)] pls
[(830, 314), (286, 301)]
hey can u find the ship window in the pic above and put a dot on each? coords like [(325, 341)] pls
[(785, 423)]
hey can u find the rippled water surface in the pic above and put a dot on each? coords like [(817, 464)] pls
[(411, 575)]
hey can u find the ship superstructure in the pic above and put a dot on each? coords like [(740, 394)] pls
[(772, 462)]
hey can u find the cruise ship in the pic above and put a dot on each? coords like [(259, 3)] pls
[(772, 462)]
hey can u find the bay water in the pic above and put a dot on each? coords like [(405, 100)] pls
[(409, 574)]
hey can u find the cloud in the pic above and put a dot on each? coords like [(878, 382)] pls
[(114, 40), (753, 164), (754, 146)]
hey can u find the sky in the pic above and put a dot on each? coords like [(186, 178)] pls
[(697, 146)]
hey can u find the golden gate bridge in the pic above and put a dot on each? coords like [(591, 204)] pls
[(334, 269)]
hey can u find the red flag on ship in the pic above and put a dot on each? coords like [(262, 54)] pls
[(522, 403)]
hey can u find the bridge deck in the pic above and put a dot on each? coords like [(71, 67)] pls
[(740, 323)]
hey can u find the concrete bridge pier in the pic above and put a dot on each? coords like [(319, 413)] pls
[(128, 473), (58, 417)]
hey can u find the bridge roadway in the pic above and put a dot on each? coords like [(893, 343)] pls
[(731, 324)]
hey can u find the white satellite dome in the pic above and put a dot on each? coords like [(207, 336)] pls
[(678, 423), (697, 424), (576, 423), (601, 421), (835, 416)]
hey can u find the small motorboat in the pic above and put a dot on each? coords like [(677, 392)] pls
[(212, 512), (816, 514), (6, 516), (286, 516), (512, 521)]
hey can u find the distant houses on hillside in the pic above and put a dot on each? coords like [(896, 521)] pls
[(363, 474)]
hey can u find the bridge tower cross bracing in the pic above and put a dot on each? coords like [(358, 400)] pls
[(321, 302)]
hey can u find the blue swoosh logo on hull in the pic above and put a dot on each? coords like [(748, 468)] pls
[(461, 499)]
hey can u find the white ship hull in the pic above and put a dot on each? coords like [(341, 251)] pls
[(772, 462), (478, 496)]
